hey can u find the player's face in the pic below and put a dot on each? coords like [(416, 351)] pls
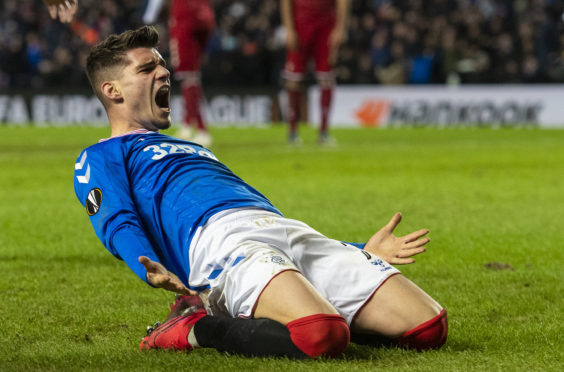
[(145, 87)]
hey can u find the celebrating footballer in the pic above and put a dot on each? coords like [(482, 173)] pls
[(252, 281)]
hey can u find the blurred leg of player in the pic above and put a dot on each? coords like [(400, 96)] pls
[(191, 25), (293, 76), (325, 78), (297, 55), (326, 83), (313, 30)]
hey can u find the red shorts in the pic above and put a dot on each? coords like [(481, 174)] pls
[(313, 41), (191, 25)]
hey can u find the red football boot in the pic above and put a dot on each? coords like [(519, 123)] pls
[(182, 303), (173, 333)]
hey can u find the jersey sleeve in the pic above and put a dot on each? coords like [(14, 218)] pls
[(102, 186)]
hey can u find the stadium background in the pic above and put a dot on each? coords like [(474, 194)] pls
[(390, 43)]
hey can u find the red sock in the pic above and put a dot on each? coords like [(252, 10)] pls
[(192, 96), (320, 334), (430, 335), (325, 102), (294, 103)]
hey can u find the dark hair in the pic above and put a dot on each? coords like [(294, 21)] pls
[(110, 53)]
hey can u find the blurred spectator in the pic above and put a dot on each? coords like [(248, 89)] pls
[(389, 42), (380, 52), (395, 73)]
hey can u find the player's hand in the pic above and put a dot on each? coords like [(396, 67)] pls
[(336, 38), (64, 9), (291, 40), (397, 250), (158, 276)]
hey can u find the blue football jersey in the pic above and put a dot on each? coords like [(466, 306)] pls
[(147, 193)]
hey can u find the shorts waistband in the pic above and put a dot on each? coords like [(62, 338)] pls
[(236, 213)]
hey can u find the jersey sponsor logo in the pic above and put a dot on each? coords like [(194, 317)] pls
[(166, 148), (368, 256), (93, 201), (85, 178)]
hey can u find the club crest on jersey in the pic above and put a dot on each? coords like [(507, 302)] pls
[(278, 260), (93, 201)]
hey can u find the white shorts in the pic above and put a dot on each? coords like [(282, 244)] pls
[(239, 251)]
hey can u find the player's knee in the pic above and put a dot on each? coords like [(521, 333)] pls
[(320, 334), (430, 335), (293, 85), (190, 79), (325, 80)]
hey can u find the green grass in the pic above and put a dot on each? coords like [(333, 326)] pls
[(487, 196)]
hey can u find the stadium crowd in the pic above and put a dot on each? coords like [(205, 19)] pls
[(389, 42)]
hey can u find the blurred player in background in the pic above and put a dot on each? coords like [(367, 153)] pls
[(314, 28), (191, 24), (182, 221), (62, 9)]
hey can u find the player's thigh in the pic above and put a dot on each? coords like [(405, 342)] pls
[(345, 275), (294, 67), (321, 50), (395, 308), (244, 258), (290, 296), (296, 60), (185, 51)]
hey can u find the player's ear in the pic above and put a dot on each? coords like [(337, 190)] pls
[(111, 90)]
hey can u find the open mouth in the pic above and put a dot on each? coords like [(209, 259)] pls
[(162, 98)]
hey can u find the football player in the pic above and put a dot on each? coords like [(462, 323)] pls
[(182, 221), (314, 29)]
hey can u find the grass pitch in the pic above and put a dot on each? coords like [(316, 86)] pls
[(493, 199)]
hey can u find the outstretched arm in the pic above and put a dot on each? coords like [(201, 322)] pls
[(158, 276), (397, 250)]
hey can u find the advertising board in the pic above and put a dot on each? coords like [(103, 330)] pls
[(444, 106)]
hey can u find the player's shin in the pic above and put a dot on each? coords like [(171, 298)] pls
[(250, 337)]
